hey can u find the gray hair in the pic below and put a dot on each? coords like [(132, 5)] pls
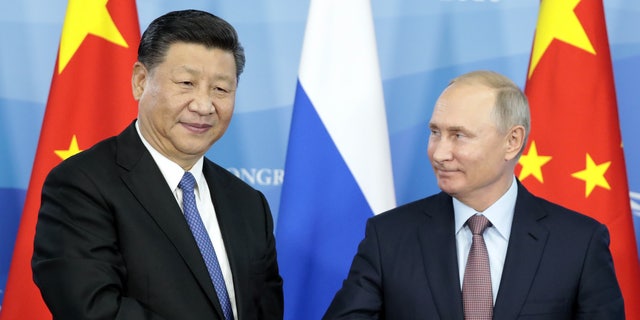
[(511, 106)]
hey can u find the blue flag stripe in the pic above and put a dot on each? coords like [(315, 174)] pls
[(318, 229)]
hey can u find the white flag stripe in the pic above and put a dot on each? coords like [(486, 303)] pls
[(340, 73)]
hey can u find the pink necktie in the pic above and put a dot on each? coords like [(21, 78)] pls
[(476, 286)]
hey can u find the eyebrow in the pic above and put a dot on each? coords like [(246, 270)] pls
[(450, 128), (193, 71), (457, 128)]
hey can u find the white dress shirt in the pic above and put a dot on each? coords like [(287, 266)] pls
[(496, 237), (173, 173)]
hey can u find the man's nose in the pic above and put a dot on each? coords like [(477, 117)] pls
[(202, 103), (440, 150)]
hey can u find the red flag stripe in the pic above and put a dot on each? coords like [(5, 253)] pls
[(575, 122), (90, 99)]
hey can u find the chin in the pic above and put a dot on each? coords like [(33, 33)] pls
[(447, 187)]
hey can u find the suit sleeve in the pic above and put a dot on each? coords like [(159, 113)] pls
[(272, 298), (599, 296), (361, 294), (76, 262)]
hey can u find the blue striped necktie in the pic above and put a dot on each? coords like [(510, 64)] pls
[(192, 216)]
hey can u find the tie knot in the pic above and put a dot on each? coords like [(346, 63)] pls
[(477, 224), (187, 183)]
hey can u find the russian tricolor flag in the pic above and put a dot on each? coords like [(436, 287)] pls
[(338, 165)]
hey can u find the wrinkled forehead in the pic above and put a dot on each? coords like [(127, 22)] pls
[(464, 101)]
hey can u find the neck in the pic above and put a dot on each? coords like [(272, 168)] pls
[(482, 199)]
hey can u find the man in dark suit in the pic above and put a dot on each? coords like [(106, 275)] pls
[(544, 261), (111, 239)]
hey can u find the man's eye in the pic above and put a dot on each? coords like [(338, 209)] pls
[(184, 83), (221, 91)]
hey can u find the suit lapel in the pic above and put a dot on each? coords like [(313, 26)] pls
[(526, 246), (438, 245), (145, 181), (228, 220)]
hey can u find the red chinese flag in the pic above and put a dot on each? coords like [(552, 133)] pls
[(90, 99), (574, 155)]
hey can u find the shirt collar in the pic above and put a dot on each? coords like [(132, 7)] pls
[(171, 171), (500, 213)]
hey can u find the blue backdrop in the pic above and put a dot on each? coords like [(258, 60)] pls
[(421, 45)]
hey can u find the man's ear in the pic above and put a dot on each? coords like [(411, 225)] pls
[(138, 79), (514, 142)]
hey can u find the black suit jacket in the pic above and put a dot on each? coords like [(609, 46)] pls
[(112, 243), (558, 266)]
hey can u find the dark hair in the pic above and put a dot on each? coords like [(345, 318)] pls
[(189, 26)]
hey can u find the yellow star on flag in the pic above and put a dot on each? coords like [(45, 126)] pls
[(557, 20), (86, 17), (532, 163), (593, 175), (73, 149)]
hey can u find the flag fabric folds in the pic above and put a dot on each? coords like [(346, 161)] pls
[(90, 99), (338, 164), (574, 155)]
